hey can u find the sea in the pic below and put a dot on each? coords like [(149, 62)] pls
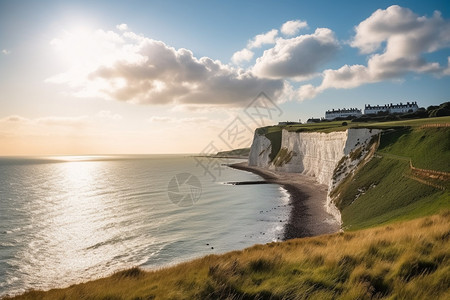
[(70, 219)]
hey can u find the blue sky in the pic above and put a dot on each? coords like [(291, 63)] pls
[(74, 82)]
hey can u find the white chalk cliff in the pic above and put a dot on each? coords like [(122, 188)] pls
[(315, 154)]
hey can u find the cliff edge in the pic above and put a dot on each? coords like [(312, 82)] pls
[(327, 157)]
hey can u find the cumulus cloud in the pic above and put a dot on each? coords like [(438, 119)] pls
[(447, 70), (405, 31), (298, 57), (125, 66), (137, 69), (292, 27), (307, 91), (396, 40), (262, 39), (241, 56), (122, 27)]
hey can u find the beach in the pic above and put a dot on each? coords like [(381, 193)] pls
[(308, 216)]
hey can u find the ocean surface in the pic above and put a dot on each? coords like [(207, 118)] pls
[(64, 220)]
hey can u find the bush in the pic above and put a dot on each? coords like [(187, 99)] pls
[(441, 111)]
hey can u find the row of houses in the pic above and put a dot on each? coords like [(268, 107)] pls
[(391, 108), (342, 113), (369, 109)]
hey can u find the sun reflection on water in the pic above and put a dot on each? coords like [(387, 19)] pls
[(77, 220), (77, 158)]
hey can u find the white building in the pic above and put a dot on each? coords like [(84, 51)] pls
[(313, 120), (342, 113), (391, 108)]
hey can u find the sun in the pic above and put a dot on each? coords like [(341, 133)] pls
[(76, 46)]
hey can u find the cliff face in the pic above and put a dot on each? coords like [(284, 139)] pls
[(259, 151), (315, 154)]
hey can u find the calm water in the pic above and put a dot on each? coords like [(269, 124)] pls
[(69, 219)]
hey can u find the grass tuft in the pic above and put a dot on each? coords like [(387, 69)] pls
[(416, 267), (130, 273)]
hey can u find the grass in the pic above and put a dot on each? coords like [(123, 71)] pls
[(407, 260), (379, 194), (381, 191), (273, 133), (337, 125), (284, 156), (428, 148)]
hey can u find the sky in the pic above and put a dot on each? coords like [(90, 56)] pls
[(138, 77)]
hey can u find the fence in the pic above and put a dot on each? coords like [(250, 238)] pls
[(429, 173), (432, 174), (435, 125), (438, 186)]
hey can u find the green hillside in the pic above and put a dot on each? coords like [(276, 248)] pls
[(386, 190), (408, 260), (383, 191)]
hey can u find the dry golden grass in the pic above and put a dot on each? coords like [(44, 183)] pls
[(408, 260)]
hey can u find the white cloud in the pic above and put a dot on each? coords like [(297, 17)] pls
[(298, 57), (307, 91), (6, 51), (447, 70), (129, 67), (241, 56), (292, 27), (14, 118), (136, 69), (398, 25), (264, 38), (122, 27), (396, 39)]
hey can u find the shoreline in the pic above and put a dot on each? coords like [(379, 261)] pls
[(308, 216)]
